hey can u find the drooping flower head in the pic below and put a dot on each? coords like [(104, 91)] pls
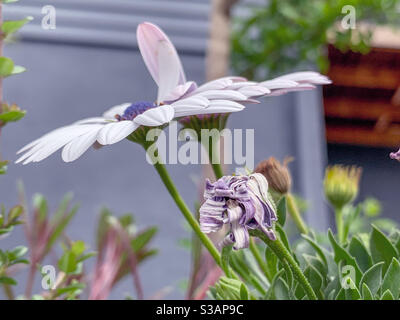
[(243, 203), (341, 184), (176, 98)]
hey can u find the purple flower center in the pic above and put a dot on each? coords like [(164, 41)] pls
[(135, 109)]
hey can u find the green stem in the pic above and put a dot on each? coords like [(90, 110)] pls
[(283, 254), (213, 153), (295, 214), (340, 225), (165, 177), (261, 263)]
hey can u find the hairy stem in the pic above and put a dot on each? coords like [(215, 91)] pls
[(283, 254)]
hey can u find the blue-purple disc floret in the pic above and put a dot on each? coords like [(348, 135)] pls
[(135, 109), (243, 203)]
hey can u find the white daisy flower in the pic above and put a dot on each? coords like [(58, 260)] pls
[(176, 98)]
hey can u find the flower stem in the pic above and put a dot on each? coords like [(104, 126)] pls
[(169, 184), (340, 225), (261, 263), (213, 154), (283, 254), (295, 214)]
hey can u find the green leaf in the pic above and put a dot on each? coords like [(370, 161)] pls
[(283, 237), (366, 293), (281, 211), (8, 280), (14, 214), (9, 1), (244, 294), (315, 279), (142, 239), (373, 278), (17, 253), (9, 27), (225, 254), (3, 170), (352, 292), (387, 295), (281, 290), (317, 249), (12, 116), (6, 67), (71, 288), (391, 281), (272, 261), (68, 262), (381, 248), (78, 247), (340, 254), (360, 253)]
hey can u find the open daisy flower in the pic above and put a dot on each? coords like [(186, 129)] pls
[(243, 203), (176, 98)]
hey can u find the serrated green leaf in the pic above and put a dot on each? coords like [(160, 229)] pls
[(360, 253), (12, 26), (340, 254), (381, 248), (387, 295), (391, 281), (373, 278), (6, 67)]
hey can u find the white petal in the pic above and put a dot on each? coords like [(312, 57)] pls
[(181, 90), (223, 95), (98, 120), (222, 106), (306, 77), (168, 70), (119, 109), (53, 141), (254, 91), (241, 84), (190, 105), (115, 132), (74, 149), (156, 116)]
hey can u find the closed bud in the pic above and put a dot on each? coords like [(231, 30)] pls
[(277, 174), (341, 184)]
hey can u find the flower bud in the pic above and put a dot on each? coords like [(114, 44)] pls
[(277, 174), (341, 184)]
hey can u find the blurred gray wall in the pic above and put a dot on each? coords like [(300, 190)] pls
[(89, 63)]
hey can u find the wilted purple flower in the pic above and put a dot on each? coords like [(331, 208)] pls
[(241, 201), (395, 155)]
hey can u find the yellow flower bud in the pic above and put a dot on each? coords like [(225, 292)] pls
[(341, 184)]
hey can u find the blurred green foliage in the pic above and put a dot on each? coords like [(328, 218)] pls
[(283, 36)]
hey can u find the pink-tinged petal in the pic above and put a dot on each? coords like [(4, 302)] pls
[(74, 149), (168, 70), (218, 84), (156, 116), (119, 109), (306, 77), (280, 92), (223, 95), (115, 132), (254, 91), (180, 91), (148, 38), (241, 84), (279, 84)]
